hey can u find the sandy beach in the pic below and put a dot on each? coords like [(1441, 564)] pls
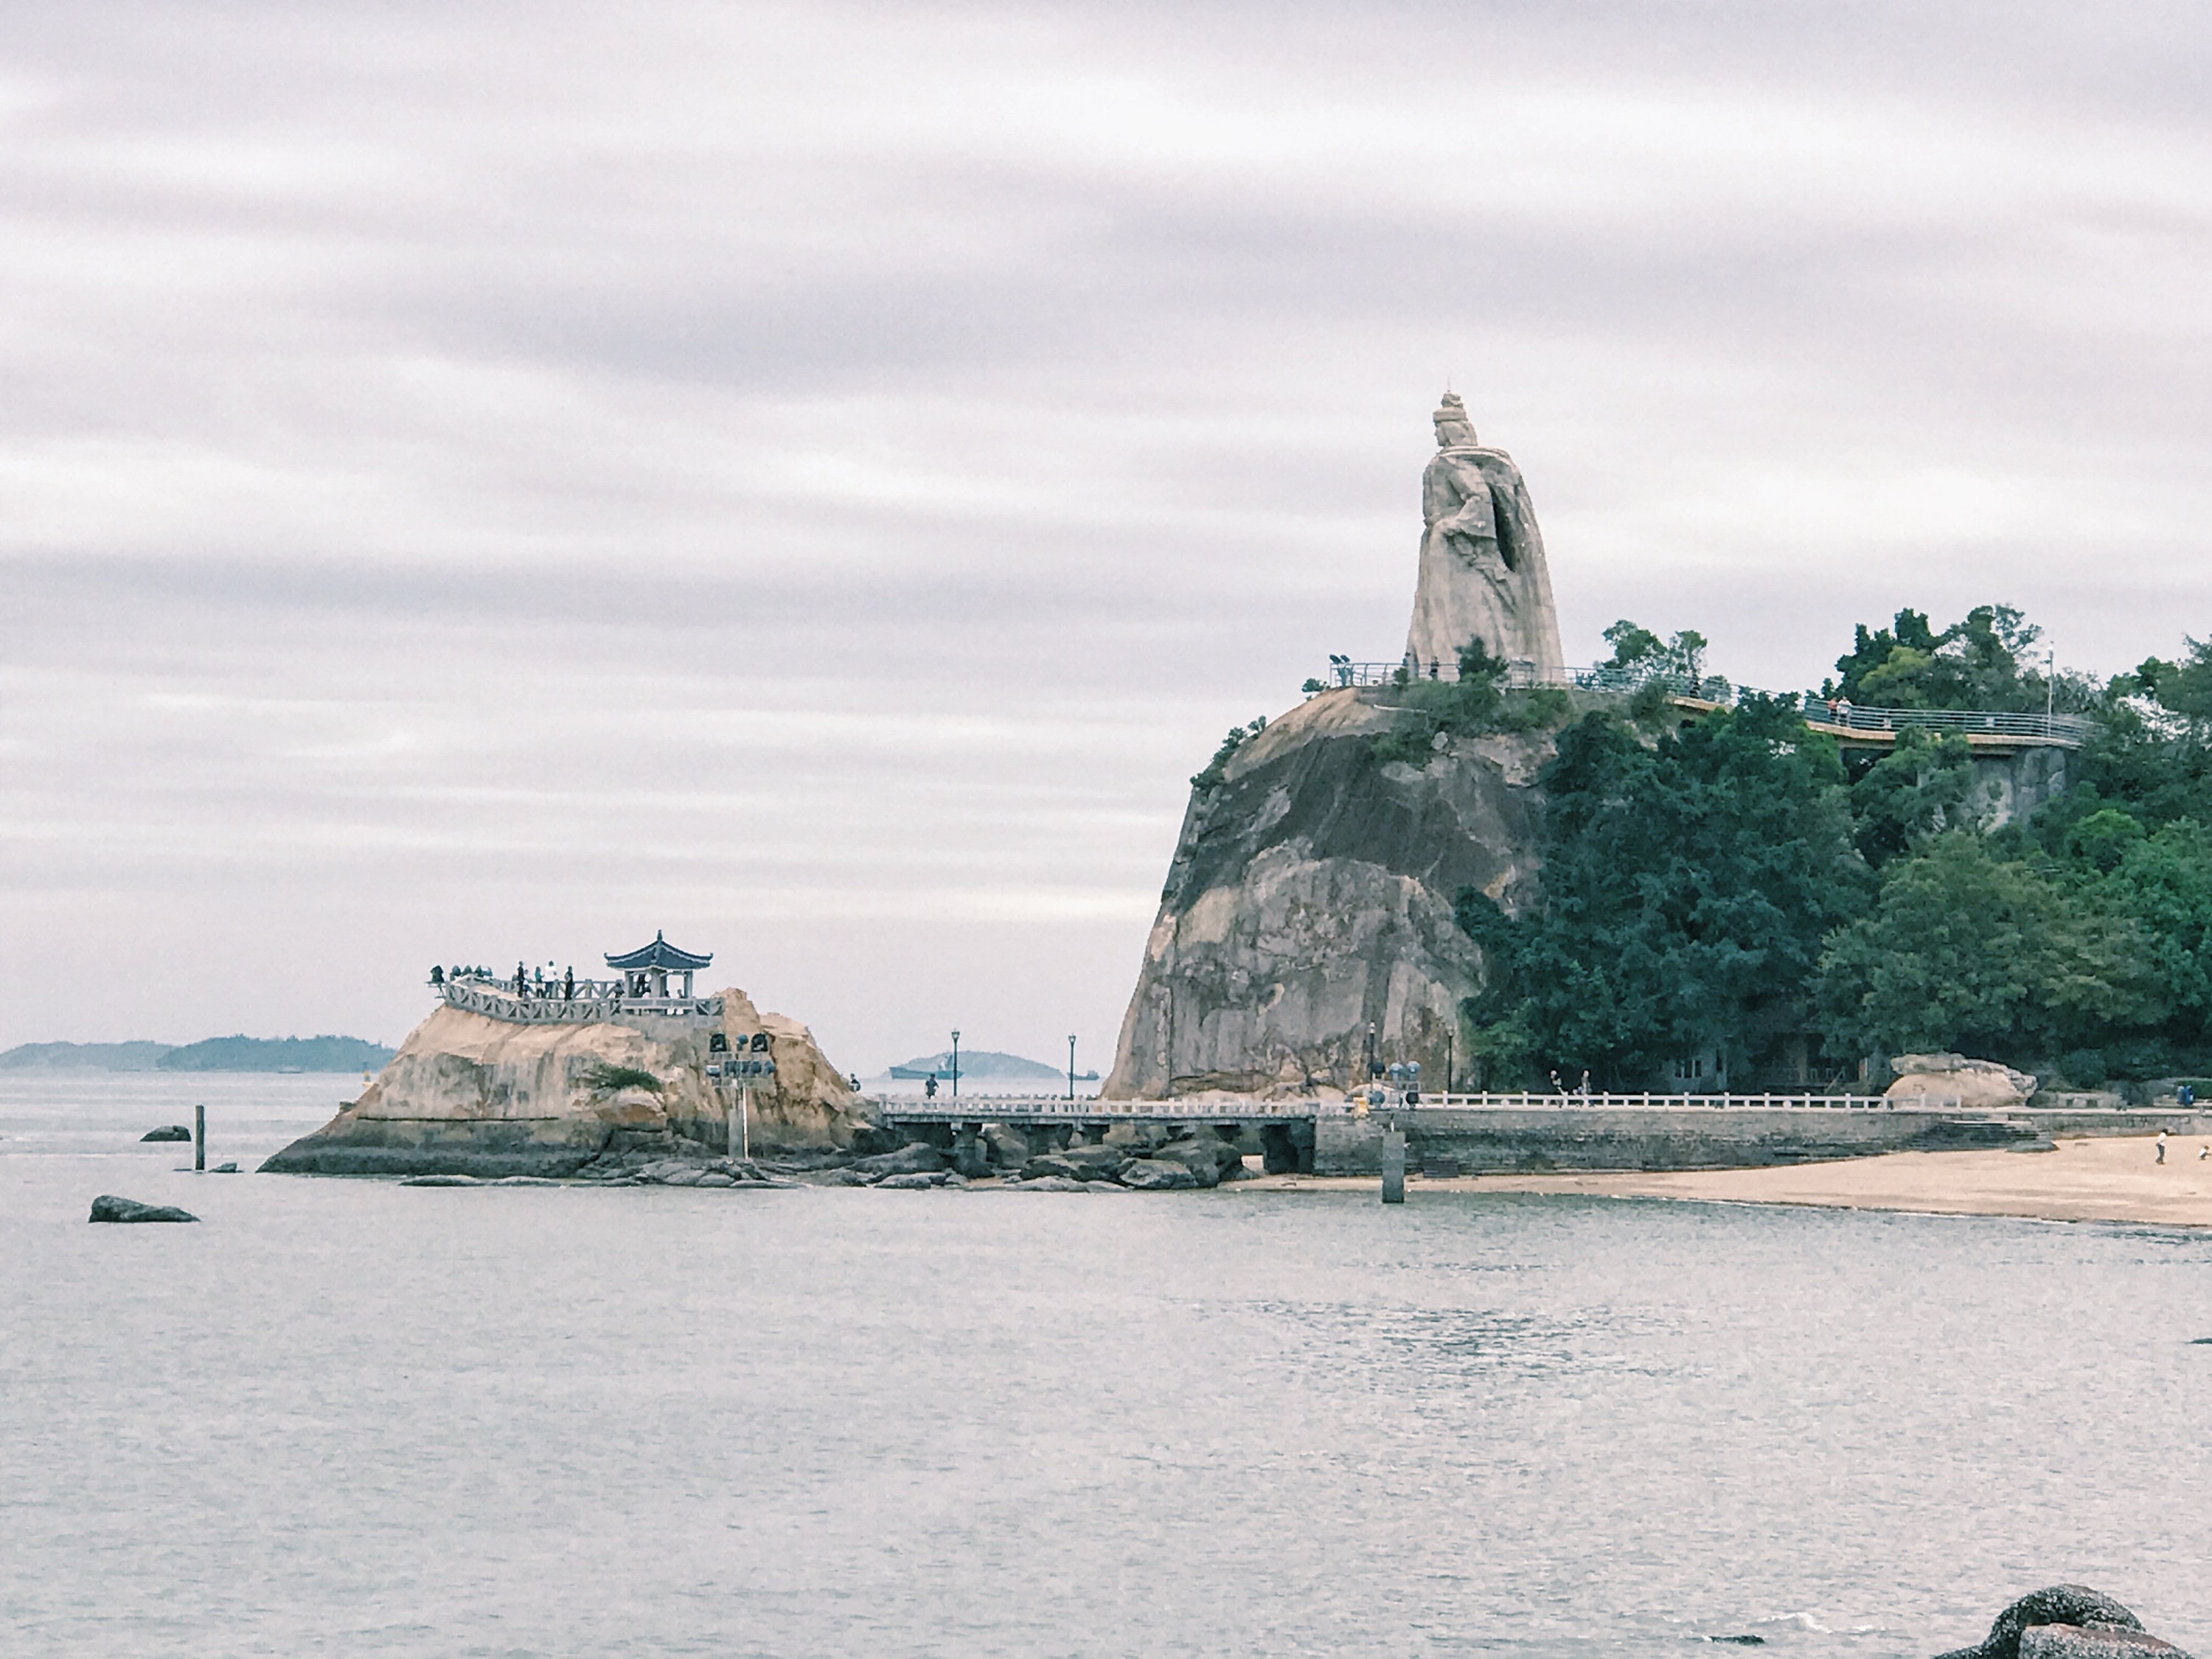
[(2083, 1179)]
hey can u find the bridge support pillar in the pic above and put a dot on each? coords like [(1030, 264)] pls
[(1393, 1165)]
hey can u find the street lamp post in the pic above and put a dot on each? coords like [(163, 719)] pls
[(1071, 1065), (956, 1066)]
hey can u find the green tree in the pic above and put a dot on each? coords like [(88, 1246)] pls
[(1638, 648), (1687, 885), (1964, 950), (1975, 663), (2163, 881), (1920, 788)]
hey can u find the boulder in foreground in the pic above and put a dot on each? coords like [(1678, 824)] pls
[(108, 1207), (2067, 1621), (1980, 1084)]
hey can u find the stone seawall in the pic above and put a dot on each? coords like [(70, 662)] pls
[(1532, 1142)]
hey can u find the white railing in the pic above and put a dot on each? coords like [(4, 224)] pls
[(2068, 729), (478, 997), (1395, 1101), (983, 1107)]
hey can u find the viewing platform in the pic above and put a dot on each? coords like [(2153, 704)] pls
[(642, 992), (1994, 730)]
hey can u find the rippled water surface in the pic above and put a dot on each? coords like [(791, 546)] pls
[(351, 1417)]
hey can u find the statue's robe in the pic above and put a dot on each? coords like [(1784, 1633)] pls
[(1483, 575)]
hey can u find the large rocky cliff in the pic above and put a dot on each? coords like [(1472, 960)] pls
[(1311, 896), (473, 1095)]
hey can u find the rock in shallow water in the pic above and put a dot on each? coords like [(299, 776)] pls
[(108, 1207), (918, 1181), (173, 1132), (442, 1181), (1156, 1175), (917, 1158), (2065, 1621), (2093, 1641)]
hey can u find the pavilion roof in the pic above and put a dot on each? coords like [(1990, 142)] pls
[(659, 954)]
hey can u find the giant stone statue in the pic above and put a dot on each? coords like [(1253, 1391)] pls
[(1483, 575)]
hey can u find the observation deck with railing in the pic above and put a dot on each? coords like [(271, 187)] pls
[(1839, 716), (567, 1002)]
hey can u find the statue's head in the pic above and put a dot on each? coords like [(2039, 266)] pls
[(1454, 429)]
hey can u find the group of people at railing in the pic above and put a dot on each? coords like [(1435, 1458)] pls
[(1343, 671), (532, 985)]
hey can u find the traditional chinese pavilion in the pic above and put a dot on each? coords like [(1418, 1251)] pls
[(648, 969)]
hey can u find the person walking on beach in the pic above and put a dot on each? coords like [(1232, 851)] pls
[(2162, 1146)]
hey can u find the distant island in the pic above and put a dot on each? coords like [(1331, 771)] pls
[(229, 1053), (981, 1063)]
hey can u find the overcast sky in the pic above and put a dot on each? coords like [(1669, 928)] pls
[(492, 482)]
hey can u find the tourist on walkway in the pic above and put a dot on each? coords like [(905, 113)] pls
[(521, 981), (2162, 1146)]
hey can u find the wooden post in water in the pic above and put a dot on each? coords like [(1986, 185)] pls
[(1393, 1165), (199, 1140), (744, 1121)]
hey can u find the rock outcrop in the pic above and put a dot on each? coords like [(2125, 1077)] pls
[(2067, 1621), (469, 1094), (108, 1207), (1310, 898), (1977, 1083)]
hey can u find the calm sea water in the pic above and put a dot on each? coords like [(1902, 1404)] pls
[(351, 1417)]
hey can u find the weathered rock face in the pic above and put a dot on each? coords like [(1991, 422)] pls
[(469, 1094), (1311, 895)]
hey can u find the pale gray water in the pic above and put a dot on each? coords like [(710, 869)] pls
[(351, 1417)]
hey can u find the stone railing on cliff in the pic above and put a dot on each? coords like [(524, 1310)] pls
[(595, 1001), (2070, 730)]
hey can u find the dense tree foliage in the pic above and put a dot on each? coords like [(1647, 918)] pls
[(1687, 885), (1729, 885), (1964, 950)]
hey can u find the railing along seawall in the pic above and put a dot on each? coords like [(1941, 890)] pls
[(985, 1108)]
